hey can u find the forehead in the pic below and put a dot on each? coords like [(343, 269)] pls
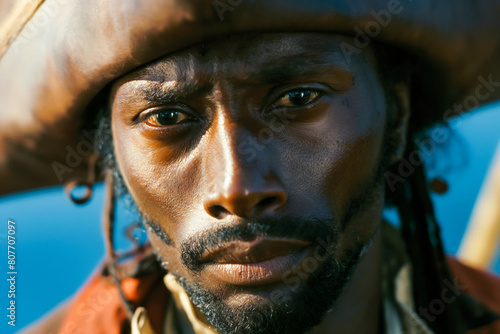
[(254, 58)]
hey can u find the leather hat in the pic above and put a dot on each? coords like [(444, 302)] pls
[(57, 55)]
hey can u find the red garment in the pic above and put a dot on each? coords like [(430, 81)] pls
[(98, 307), (482, 286)]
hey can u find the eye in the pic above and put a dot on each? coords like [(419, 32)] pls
[(166, 118), (297, 98)]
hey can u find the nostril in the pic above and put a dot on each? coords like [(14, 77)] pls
[(267, 202), (245, 204), (217, 211)]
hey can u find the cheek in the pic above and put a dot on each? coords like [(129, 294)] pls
[(353, 183), (357, 163), (360, 123), (161, 189), (329, 160)]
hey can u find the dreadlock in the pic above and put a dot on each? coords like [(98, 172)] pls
[(421, 233), (419, 227), (142, 261)]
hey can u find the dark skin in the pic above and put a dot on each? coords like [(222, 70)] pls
[(193, 145)]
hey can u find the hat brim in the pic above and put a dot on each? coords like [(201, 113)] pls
[(67, 52)]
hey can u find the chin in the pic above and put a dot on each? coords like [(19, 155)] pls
[(275, 308)]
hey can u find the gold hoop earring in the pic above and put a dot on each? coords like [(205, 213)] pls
[(87, 184), (72, 185)]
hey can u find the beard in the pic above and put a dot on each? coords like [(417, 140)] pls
[(311, 289), (303, 309)]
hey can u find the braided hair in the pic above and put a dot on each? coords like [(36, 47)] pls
[(411, 195)]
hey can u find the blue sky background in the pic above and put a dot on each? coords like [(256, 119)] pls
[(59, 244)]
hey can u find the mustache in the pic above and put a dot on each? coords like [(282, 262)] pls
[(286, 227)]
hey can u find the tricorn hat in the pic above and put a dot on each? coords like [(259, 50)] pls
[(57, 55)]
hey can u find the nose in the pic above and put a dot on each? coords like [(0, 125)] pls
[(241, 185), (246, 199)]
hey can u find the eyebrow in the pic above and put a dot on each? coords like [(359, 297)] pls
[(157, 92), (286, 70)]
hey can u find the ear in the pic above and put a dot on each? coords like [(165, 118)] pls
[(401, 100)]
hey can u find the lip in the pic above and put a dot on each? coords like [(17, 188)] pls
[(258, 262)]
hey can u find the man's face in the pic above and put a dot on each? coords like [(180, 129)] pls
[(258, 161)]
